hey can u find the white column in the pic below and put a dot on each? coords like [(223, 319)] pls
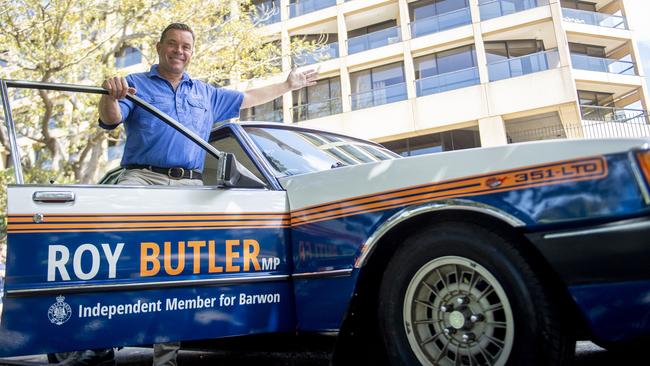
[(492, 131), (346, 89), (481, 59)]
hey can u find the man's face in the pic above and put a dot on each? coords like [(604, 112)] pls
[(175, 51)]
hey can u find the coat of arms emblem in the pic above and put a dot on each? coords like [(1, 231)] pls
[(59, 312)]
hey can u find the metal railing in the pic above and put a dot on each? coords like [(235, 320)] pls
[(594, 18), (612, 114), (326, 52), (374, 40), (523, 65), (496, 8), (601, 64), (302, 7), (447, 81), (390, 94), (441, 22), (318, 109), (587, 129)]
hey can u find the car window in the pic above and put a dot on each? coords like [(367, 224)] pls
[(293, 151), (227, 142)]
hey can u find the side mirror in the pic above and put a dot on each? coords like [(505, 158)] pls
[(230, 173)]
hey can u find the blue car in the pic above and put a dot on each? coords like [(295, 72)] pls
[(489, 256)]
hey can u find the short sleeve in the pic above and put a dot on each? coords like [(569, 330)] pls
[(125, 108), (226, 104)]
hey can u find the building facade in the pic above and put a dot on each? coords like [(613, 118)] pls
[(436, 75)]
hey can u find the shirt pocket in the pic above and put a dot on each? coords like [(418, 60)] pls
[(197, 109), (164, 104)]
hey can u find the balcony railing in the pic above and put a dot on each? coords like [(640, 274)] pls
[(441, 22), (302, 7), (523, 65), (317, 109), (601, 64), (326, 52), (447, 81), (496, 8), (379, 96), (609, 114), (374, 40), (267, 13), (271, 116), (594, 18)]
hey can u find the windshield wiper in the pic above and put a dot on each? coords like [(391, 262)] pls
[(338, 164)]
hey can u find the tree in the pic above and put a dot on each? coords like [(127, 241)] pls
[(76, 41)]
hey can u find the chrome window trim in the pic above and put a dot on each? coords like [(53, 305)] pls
[(626, 225), (463, 205), (323, 274), (146, 285)]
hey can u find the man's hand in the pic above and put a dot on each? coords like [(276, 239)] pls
[(117, 87), (297, 80)]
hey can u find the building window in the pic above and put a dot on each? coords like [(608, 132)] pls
[(128, 56), (580, 5), (436, 142), (379, 85), (585, 49), (328, 51), (507, 59), (266, 11), (373, 36), (431, 16), (3, 63), (447, 70), (502, 50), (268, 112), (320, 100)]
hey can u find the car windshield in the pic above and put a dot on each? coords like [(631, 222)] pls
[(292, 151)]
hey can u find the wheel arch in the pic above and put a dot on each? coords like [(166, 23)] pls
[(382, 244)]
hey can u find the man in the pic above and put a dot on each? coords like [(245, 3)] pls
[(156, 154)]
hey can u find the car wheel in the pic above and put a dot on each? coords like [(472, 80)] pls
[(97, 357), (458, 294)]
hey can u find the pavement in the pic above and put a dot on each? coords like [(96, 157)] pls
[(587, 354)]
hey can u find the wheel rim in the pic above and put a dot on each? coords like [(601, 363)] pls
[(457, 313)]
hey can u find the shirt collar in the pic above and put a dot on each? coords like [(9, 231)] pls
[(154, 72)]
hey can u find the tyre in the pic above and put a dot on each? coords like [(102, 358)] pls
[(458, 294), (97, 357)]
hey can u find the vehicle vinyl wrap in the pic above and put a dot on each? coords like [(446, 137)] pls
[(331, 236), (130, 265)]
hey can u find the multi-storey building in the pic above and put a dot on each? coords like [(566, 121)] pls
[(435, 75)]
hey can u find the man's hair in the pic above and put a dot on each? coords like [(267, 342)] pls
[(179, 26)]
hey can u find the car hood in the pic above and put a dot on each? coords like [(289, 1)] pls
[(366, 179)]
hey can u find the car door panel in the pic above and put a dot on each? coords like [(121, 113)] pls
[(137, 265)]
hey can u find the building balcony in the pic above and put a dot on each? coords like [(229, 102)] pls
[(316, 109), (495, 8), (302, 7), (600, 64), (610, 114), (271, 116), (439, 23), (447, 81), (594, 18), (523, 65), (374, 40), (326, 52), (371, 98)]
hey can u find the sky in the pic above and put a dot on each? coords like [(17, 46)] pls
[(638, 13)]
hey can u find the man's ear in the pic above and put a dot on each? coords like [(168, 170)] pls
[(158, 45)]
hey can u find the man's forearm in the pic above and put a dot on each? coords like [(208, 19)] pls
[(264, 94), (109, 110)]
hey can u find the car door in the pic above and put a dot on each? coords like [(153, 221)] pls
[(92, 266)]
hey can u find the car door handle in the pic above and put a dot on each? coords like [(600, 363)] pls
[(53, 197)]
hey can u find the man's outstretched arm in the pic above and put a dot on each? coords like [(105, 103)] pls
[(296, 80)]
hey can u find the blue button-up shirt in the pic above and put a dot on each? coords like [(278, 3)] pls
[(195, 104)]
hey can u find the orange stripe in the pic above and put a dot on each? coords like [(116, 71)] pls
[(156, 229), (146, 225), (49, 218)]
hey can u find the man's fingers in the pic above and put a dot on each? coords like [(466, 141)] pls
[(132, 90), (124, 88)]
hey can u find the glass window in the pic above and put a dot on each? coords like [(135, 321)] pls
[(270, 111), (436, 142), (361, 81), (585, 49), (501, 50), (225, 141), (127, 57), (496, 51), (456, 59), (292, 152)]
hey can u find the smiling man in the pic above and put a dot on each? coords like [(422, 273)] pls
[(154, 152)]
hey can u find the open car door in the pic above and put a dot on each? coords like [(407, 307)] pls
[(108, 265)]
